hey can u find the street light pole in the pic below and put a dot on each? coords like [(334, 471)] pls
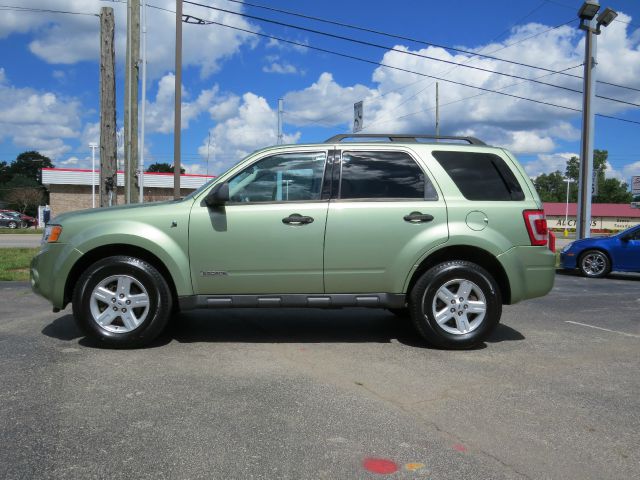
[(583, 226), (93, 147), (591, 25)]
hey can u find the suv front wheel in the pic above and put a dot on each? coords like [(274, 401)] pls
[(455, 304), (122, 301)]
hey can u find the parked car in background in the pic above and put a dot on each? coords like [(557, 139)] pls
[(26, 219), (596, 257), (10, 221)]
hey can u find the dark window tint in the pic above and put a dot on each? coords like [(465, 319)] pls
[(480, 176), (383, 175)]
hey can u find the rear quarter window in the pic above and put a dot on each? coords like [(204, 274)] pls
[(480, 176)]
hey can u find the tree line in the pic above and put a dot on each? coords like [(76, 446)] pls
[(552, 187), (21, 186)]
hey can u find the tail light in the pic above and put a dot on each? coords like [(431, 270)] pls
[(536, 227)]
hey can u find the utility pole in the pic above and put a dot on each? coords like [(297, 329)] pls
[(280, 108), (143, 100), (93, 147), (131, 101), (178, 103), (437, 112), (108, 148)]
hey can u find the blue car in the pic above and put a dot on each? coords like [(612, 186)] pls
[(596, 257)]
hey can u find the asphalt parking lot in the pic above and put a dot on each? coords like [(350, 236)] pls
[(335, 394)]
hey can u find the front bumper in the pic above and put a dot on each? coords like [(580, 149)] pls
[(50, 269), (569, 260)]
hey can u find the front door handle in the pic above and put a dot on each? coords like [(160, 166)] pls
[(297, 219), (418, 217)]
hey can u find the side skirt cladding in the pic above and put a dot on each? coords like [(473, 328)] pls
[(339, 300)]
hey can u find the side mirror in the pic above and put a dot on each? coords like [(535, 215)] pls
[(219, 195)]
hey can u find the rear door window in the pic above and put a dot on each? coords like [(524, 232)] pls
[(480, 176), (378, 175)]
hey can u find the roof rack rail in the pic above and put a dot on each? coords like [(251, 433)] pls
[(401, 137)]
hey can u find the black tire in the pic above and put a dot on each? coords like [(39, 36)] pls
[(112, 274), (594, 264), (13, 225), (482, 290)]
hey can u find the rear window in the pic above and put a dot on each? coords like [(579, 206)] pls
[(480, 176)]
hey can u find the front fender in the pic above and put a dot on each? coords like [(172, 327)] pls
[(170, 246)]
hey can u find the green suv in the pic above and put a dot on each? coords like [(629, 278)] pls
[(442, 229)]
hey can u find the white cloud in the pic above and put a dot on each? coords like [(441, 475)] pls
[(630, 170), (281, 68), (548, 163), (325, 101), (225, 108), (160, 112), (254, 126), (37, 120), (284, 46), (68, 39)]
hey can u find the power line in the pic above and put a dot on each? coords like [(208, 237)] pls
[(379, 32), (452, 102), (372, 62), (401, 37), (16, 8), (382, 47), (451, 69), (392, 49)]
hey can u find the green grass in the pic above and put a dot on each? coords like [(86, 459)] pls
[(14, 263), (23, 231)]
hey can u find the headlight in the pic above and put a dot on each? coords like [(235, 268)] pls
[(51, 234), (567, 247)]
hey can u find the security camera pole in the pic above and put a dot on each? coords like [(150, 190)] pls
[(587, 14)]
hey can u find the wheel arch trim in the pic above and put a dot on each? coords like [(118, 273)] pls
[(477, 255), (179, 281)]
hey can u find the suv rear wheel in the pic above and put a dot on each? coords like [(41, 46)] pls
[(455, 304), (122, 301)]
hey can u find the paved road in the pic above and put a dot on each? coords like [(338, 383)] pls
[(313, 394), (20, 240)]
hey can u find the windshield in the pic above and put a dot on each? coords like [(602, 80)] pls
[(628, 230)]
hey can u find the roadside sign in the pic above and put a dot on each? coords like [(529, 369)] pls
[(635, 185), (358, 111)]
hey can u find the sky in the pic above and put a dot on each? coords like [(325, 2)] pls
[(232, 78)]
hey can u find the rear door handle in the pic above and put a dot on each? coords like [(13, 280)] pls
[(297, 219), (418, 217)]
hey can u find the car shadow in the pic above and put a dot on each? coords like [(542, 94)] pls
[(353, 325)]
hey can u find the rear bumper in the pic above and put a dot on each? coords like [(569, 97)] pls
[(531, 271)]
